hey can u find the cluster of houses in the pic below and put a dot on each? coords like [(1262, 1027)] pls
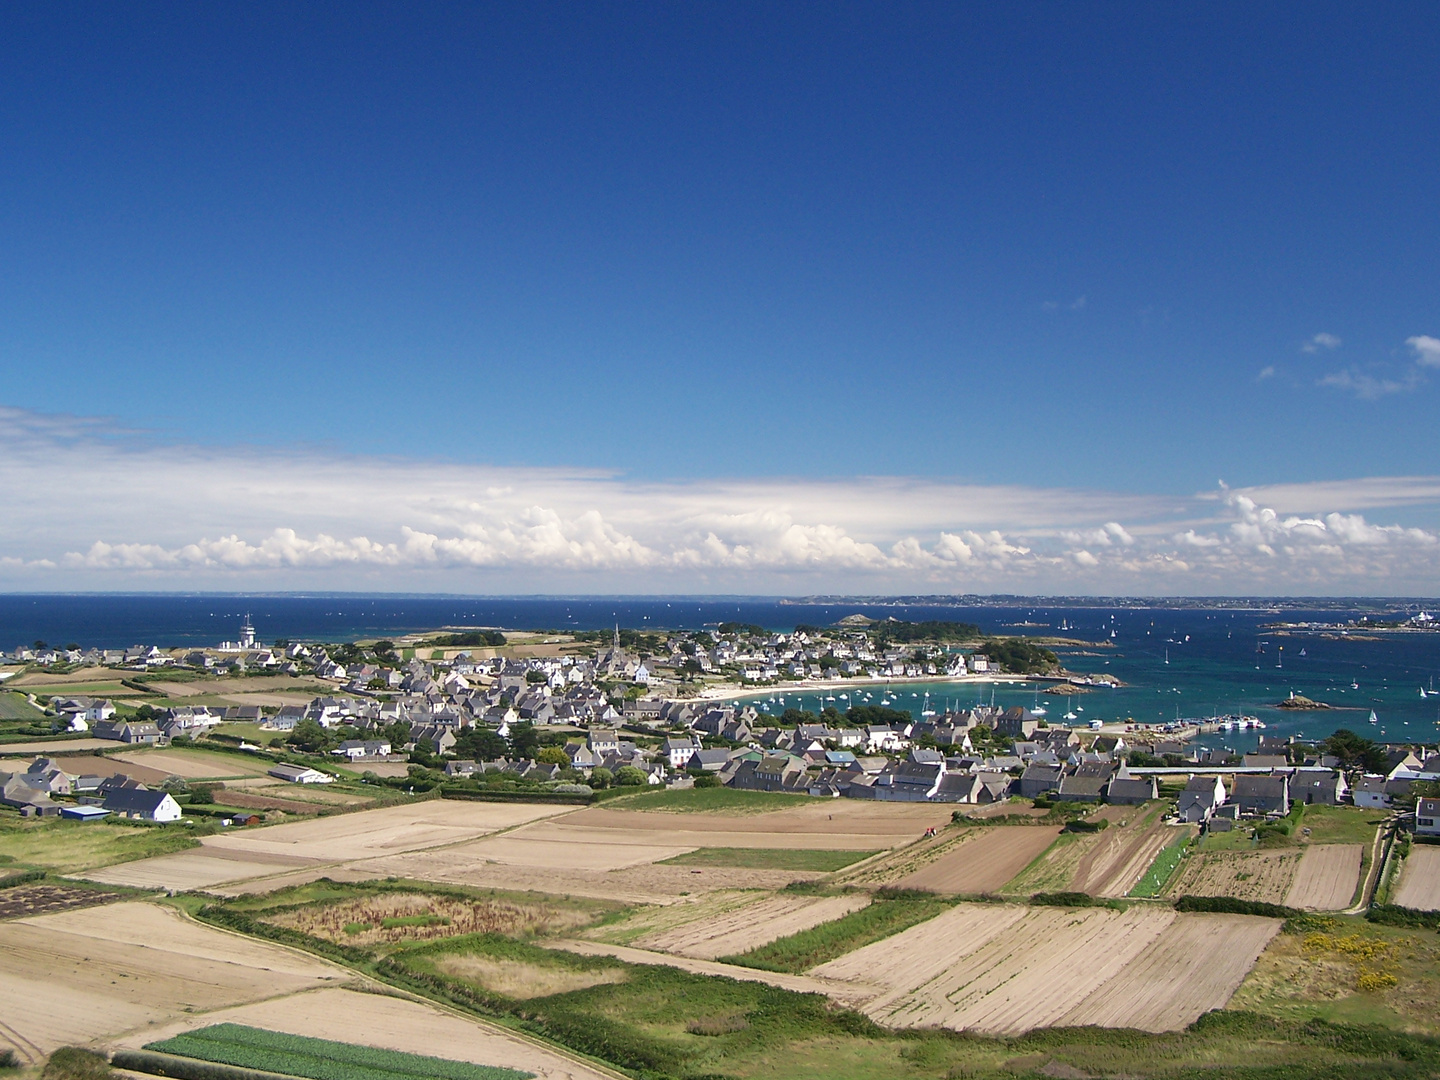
[(31, 793)]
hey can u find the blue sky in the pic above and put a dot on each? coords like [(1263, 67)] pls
[(1112, 249)]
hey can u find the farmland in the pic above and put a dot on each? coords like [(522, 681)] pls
[(1007, 969), (1326, 877), (982, 860), (1265, 876), (71, 847), (317, 1059), (752, 925), (1420, 880)]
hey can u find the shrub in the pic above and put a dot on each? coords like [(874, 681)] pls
[(1065, 899), (707, 780), (8, 1060), (73, 1063), (23, 878), (1230, 905), (1083, 826), (1394, 915)]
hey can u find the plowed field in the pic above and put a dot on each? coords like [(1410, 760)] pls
[(752, 925), (1009, 969), (1325, 880), (1249, 875), (983, 861), (1420, 882)]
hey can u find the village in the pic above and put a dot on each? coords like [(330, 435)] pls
[(588, 801)]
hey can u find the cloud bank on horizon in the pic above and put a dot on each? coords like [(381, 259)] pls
[(94, 506)]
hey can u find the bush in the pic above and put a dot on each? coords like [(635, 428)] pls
[(23, 878), (1083, 826), (1394, 915), (201, 794), (629, 776), (1065, 899), (8, 1060), (73, 1063), (707, 780), (1230, 905)]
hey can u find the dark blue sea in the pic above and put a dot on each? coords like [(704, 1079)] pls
[(1181, 662)]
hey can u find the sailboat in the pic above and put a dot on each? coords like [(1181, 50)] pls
[(1373, 718), (1302, 652), (1167, 656), (925, 709)]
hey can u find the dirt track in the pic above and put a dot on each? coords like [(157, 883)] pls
[(1420, 881), (1325, 880), (983, 861)]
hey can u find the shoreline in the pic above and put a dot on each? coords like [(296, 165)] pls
[(715, 693)]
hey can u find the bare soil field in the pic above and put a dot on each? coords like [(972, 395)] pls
[(388, 1022), (1326, 877), (95, 765), (225, 687), (1420, 881), (1008, 969), (195, 764), (1195, 965), (59, 746), (1120, 857), (83, 975), (751, 925), (983, 861), (41, 899), (323, 843), (829, 824), (1249, 875)]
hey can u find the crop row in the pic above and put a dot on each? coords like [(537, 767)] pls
[(318, 1059)]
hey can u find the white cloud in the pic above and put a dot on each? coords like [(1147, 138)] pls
[(89, 506), (1426, 349), (1267, 372), (1368, 386), (1321, 341)]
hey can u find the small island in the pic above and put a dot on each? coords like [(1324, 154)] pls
[(1300, 701)]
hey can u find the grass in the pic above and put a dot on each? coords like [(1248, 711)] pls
[(1162, 869), (1239, 838), (1316, 973), (318, 1059), (768, 858), (1053, 868), (709, 801), (883, 918), (15, 706), (68, 847), (1341, 824)]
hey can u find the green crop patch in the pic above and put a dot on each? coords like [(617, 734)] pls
[(809, 948), (1162, 869), (768, 859), (318, 1059)]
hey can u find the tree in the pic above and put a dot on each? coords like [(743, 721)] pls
[(309, 736), (629, 776), (707, 780), (600, 778), (202, 794), (1355, 751), (553, 755), (524, 739), (535, 678), (481, 744)]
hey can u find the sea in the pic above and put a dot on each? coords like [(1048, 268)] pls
[(1175, 662)]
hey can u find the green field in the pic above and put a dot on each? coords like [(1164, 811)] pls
[(15, 706), (1340, 824), (768, 858), (883, 918), (709, 800), (68, 847), (318, 1059), (1162, 869)]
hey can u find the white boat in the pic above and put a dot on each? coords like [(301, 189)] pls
[(1071, 716), (1373, 718)]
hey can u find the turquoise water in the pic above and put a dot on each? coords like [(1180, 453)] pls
[(1220, 661), (1190, 664)]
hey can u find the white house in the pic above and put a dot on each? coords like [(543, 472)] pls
[(1427, 817), (680, 751), (301, 774), (142, 804)]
